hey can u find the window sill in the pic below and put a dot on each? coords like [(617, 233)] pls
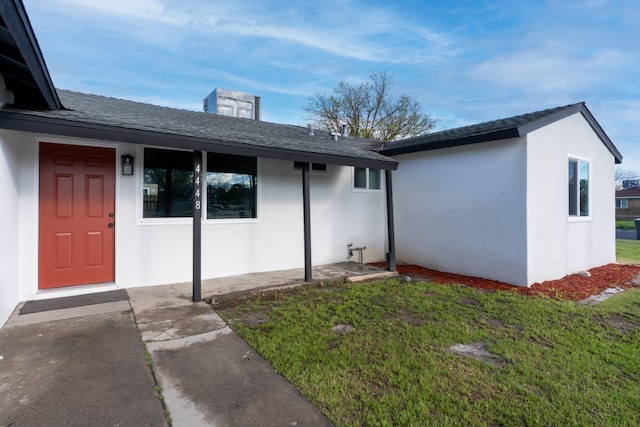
[(579, 219), (365, 190)]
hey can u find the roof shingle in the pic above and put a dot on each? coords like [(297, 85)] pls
[(511, 127), (103, 117)]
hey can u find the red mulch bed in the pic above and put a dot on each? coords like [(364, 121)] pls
[(572, 287)]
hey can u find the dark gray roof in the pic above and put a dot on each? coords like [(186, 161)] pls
[(511, 127), (39, 107), (99, 117)]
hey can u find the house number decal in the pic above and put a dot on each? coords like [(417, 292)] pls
[(197, 202)]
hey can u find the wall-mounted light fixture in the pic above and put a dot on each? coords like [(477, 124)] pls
[(127, 164)]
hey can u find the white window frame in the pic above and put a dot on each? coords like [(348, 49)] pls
[(578, 217), (139, 171), (366, 189), (624, 203)]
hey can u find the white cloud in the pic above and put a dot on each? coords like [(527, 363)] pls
[(153, 10)]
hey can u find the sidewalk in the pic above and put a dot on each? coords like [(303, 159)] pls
[(87, 366)]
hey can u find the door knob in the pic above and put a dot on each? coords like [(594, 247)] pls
[(111, 225)]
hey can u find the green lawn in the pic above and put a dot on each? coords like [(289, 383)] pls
[(625, 225), (628, 251), (562, 363)]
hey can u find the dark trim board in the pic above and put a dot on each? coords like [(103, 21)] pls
[(31, 123), (29, 75), (511, 127)]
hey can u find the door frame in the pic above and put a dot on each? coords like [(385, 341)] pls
[(76, 289)]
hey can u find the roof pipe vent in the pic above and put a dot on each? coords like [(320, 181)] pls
[(310, 130), (344, 131)]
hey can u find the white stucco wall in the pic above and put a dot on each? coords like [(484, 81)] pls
[(462, 210), (559, 245), (9, 219), (160, 252)]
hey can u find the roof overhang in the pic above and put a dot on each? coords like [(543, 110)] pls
[(15, 120), (454, 142), (21, 62), (511, 132)]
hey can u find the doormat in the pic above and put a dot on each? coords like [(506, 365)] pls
[(75, 301)]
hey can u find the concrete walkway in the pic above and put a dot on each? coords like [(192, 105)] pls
[(88, 366)]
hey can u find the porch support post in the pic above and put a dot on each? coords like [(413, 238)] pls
[(197, 225), (307, 222), (391, 255)]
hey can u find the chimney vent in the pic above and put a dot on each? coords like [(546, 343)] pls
[(226, 102), (344, 130)]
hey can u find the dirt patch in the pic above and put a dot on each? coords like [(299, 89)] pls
[(251, 318), (622, 324), (468, 301), (541, 343), (404, 316), (572, 287)]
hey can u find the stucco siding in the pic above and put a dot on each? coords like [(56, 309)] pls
[(463, 210), (9, 220), (160, 252), (560, 245)]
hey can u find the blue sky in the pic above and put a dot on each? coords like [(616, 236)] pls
[(464, 61)]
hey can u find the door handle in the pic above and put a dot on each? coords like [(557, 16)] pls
[(111, 225)]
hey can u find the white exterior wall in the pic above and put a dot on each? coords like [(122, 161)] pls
[(463, 210), (559, 245), (9, 219), (160, 252)]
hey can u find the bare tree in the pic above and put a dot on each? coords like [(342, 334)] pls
[(369, 111), (624, 175)]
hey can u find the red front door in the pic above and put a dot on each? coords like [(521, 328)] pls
[(77, 215)]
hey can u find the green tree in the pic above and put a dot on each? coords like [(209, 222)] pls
[(369, 110)]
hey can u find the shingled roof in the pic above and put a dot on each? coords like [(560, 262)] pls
[(40, 107), (99, 117), (511, 127), (628, 193)]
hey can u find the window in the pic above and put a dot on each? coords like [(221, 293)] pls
[(167, 186), (622, 203), (231, 186), (578, 188), (366, 179)]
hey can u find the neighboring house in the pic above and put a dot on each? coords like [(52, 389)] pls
[(100, 191), (628, 203), (104, 192), (519, 200)]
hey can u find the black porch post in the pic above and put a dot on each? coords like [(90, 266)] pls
[(307, 222), (391, 255), (197, 225)]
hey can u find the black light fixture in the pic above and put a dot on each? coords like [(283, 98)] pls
[(127, 164)]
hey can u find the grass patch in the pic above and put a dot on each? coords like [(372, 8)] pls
[(625, 224), (564, 363), (628, 251)]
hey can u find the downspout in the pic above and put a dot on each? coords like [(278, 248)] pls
[(391, 255), (307, 222)]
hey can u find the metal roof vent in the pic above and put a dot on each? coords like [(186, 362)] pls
[(225, 102)]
